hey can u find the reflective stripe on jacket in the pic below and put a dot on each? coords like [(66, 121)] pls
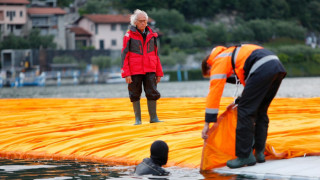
[(140, 57), (248, 58)]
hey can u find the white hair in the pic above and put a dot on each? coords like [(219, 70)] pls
[(133, 17)]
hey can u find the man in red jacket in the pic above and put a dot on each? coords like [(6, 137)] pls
[(141, 64)]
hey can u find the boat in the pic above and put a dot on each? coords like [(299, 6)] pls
[(113, 78)]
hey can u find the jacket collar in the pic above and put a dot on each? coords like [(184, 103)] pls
[(135, 30)]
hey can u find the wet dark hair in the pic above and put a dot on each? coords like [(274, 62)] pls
[(205, 67), (159, 152)]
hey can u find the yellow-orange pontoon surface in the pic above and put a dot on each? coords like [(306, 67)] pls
[(102, 130)]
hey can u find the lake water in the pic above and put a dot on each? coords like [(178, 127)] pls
[(291, 87), (59, 170)]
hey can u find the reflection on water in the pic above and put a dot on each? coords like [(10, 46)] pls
[(24, 169), (61, 170)]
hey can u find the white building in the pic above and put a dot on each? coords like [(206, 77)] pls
[(106, 30), (13, 17)]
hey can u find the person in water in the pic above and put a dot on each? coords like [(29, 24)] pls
[(159, 156)]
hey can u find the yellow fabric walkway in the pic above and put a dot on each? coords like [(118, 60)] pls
[(102, 129)]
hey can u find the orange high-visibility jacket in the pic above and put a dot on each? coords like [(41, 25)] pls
[(245, 58)]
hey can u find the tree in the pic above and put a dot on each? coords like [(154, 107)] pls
[(33, 41), (182, 41), (314, 11), (167, 20), (14, 42), (64, 3), (263, 29), (289, 29), (102, 62), (96, 7), (241, 33), (173, 58), (36, 40), (64, 60), (217, 33), (145, 5)]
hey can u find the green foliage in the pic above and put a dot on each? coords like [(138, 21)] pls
[(64, 3), (36, 40), (307, 12), (64, 60), (95, 7), (88, 48), (182, 41), (167, 20), (193, 75), (102, 62), (278, 42), (241, 33), (284, 58), (302, 69), (173, 58), (116, 62), (297, 53), (145, 5), (14, 42), (217, 33), (263, 29), (33, 41), (200, 38), (289, 29), (312, 15), (316, 58)]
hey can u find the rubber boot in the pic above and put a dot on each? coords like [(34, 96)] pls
[(152, 108), (260, 157), (240, 162), (137, 112)]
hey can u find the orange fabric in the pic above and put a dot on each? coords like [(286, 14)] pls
[(220, 145), (293, 131), (102, 130)]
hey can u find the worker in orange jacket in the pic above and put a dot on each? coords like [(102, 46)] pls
[(261, 73)]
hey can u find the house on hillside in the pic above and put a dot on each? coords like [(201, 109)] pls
[(13, 17), (50, 21), (102, 31)]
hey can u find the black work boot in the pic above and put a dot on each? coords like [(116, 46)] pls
[(260, 156), (240, 162), (152, 108), (137, 112)]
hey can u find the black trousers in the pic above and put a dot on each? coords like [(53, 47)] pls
[(253, 121), (149, 83)]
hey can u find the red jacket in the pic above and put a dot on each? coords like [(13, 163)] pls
[(140, 57)]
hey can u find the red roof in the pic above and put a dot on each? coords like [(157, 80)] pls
[(80, 31), (110, 18), (45, 10), (14, 2)]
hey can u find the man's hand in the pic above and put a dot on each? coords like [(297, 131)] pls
[(128, 80), (158, 79), (205, 131)]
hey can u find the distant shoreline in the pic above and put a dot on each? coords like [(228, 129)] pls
[(300, 87)]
